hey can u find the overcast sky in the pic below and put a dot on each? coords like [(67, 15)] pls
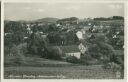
[(32, 11)]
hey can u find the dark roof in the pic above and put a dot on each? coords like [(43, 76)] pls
[(69, 49)]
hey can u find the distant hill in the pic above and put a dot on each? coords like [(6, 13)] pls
[(43, 20), (68, 19), (47, 20)]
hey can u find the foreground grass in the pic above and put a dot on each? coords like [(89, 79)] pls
[(36, 62), (73, 72), (39, 68)]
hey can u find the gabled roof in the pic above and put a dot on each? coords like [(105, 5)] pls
[(70, 49)]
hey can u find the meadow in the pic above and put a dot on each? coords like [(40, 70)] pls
[(52, 69)]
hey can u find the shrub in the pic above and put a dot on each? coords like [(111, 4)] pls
[(53, 53), (72, 59), (17, 58)]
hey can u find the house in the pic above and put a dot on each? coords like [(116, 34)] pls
[(28, 29), (82, 48), (114, 36), (44, 36), (58, 25), (71, 50), (28, 25), (7, 34), (25, 38), (89, 24), (79, 35)]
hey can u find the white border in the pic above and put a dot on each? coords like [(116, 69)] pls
[(68, 1), (63, 1), (126, 41), (2, 40)]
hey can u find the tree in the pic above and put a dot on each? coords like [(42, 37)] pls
[(118, 18), (16, 31), (118, 41), (52, 28), (36, 44), (19, 56), (71, 37), (100, 49), (54, 53)]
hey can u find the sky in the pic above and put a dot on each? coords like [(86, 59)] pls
[(33, 11)]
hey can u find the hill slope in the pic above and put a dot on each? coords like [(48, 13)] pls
[(47, 20)]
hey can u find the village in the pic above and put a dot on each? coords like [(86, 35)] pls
[(82, 42)]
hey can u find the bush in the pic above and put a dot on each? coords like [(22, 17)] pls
[(53, 53), (85, 59), (72, 59), (17, 58)]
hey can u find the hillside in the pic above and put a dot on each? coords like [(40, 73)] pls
[(47, 20)]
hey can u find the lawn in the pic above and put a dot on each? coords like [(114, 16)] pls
[(52, 69)]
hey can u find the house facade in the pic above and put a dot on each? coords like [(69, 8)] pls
[(79, 35), (71, 50), (76, 54), (82, 48)]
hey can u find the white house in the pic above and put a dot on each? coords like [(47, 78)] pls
[(28, 28), (79, 35), (58, 25), (28, 25), (76, 54), (71, 50), (82, 48)]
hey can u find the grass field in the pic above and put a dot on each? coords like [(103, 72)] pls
[(51, 69), (73, 72)]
